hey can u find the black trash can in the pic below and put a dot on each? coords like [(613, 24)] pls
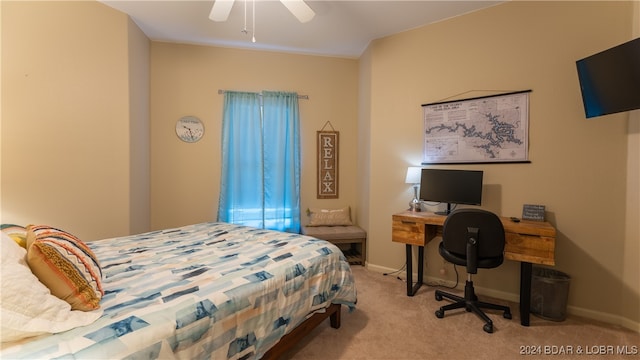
[(549, 293)]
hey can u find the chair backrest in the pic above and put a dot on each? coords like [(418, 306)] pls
[(484, 226)]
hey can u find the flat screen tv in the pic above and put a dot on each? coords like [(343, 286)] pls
[(610, 80), (451, 187)]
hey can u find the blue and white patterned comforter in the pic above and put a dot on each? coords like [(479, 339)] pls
[(211, 290)]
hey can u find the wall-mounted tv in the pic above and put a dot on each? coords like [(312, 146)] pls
[(610, 80)]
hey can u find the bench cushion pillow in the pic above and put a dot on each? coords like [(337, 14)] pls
[(329, 217)]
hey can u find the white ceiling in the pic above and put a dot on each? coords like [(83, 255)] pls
[(340, 28)]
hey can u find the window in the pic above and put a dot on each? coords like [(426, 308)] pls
[(260, 177)]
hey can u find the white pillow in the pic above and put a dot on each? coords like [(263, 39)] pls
[(329, 217), (27, 307)]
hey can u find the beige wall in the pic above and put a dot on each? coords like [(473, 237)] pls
[(185, 79), (631, 267), (139, 133), (364, 139), (67, 117), (1, 217), (77, 124), (578, 167)]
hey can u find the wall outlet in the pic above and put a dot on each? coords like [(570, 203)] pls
[(443, 269)]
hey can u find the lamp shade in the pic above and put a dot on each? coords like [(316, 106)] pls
[(414, 174)]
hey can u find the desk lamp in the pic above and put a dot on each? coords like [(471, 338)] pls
[(414, 174)]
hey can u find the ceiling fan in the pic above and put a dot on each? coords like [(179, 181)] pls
[(299, 9)]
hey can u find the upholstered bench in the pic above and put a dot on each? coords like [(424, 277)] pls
[(342, 234)]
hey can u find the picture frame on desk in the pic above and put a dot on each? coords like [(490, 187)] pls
[(533, 212)]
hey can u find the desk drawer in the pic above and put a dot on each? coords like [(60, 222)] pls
[(527, 248), (407, 232)]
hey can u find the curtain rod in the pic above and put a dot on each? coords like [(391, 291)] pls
[(305, 97)]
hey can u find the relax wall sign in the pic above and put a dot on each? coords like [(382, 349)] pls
[(328, 164)]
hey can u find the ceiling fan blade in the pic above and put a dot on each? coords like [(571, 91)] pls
[(220, 10), (299, 9)]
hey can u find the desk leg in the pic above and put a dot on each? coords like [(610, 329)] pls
[(411, 288), (525, 292)]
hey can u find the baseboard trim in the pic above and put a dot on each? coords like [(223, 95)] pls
[(502, 295), (604, 317)]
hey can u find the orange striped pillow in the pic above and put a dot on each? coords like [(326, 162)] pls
[(66, 266)]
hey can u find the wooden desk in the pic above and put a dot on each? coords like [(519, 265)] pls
[(530, 242)]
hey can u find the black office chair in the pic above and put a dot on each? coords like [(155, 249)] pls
[(473, 238)]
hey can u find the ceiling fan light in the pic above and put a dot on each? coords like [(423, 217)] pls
[(220, 10), (299, 9)]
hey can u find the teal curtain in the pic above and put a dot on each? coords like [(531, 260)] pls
[(260, 177)]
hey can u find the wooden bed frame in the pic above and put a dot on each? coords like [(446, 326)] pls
[(292, 338)]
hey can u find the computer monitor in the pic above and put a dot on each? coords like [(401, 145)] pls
[(451, 187)]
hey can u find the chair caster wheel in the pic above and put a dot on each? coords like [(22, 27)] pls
[(438, 297), (439, 314), (488, 328), (507, 315)]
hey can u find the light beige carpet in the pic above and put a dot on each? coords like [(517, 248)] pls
[(387, 324)]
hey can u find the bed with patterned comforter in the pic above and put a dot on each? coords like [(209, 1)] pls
[(210, 290)]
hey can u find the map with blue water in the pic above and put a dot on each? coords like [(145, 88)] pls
[(486, 129)]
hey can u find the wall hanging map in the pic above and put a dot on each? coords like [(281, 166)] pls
[(484, 129)]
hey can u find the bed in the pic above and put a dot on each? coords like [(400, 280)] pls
[(210, 290)]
